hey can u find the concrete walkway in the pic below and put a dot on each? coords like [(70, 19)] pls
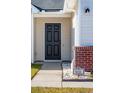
[(77, 84), (50, 75)]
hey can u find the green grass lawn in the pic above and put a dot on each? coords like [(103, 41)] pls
[(34, 69), (61, 90)]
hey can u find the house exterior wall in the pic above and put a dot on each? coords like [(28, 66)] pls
[(83, 36), (84, 57), (84, 23), (39, 32)]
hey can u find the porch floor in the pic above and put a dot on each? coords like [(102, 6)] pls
[(50, 75)]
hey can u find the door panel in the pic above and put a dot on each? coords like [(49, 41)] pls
[(52, 41), (56, 36), (56, 50), (49, 50), (49, 36)]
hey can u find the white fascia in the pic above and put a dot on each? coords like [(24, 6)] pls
[(69, 5), (51, 14)]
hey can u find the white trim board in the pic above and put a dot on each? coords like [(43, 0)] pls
[(50, 14)]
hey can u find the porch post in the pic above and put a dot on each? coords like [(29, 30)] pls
[(78, 23), (77, 41)]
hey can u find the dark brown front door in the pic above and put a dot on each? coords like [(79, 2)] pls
[(52, 41)]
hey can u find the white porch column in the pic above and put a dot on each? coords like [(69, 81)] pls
[(32, 39), (78, 22), (77, 36)]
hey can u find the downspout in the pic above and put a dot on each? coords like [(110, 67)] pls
[(32, 38)]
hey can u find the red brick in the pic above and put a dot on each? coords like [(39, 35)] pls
[(84, 57)]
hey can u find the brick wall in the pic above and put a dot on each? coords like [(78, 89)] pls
[(84, 57)]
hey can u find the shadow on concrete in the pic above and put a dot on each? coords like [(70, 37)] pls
[(51, 66)]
